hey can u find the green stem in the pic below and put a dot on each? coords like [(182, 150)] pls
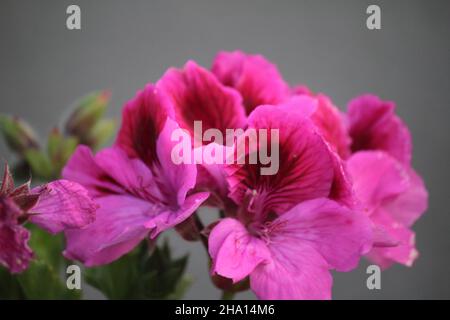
[(227, 295)]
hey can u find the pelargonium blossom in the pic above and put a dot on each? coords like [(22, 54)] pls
[(197, 95), (344, 186), (288, 233), (373, 125), (258, 80), (389, 190), (140, 191), (56, 206)]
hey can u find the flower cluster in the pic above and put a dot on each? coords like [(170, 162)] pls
[(345, 187)]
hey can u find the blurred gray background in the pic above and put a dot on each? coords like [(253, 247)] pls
[(324, 44)]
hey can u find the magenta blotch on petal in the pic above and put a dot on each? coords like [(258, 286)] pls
[(373, 125)]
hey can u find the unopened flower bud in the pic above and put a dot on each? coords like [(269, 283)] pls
[(87, 113), (60, 149), (18, 134), (100, 133)]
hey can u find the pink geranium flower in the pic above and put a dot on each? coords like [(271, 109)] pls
[(139, 189), (197, 95), (257, 80), (55, 206), (391, 193), (373, 125), (288, 234)]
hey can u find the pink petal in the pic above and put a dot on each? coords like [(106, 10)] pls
[(15, 254), (305, 105), (234, 251), (329, 120), (411, 204), (118, 228), (382, 238), (305, 164), (373, 125), (301, 89), (143, 118), (394, 196), (258, 80), (131, 176), (296, 271), (331, 124), (171, 217), (62, 205), (122, 222), (142, 200), (339, 234), (376, 177), (404, 252), (341, 188), (177, 179), (198, 96), (213, 177), (83, 168), (305, 243)]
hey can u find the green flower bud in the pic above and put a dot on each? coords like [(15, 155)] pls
[(88, 112), (101, 133), (60, 149), (18, 134), (40, 164)]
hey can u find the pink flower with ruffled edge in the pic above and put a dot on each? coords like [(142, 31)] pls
[(56, 206), (197, 95), (288, 233), (139, 189), (258, 81), (373, 125), (389, 190)]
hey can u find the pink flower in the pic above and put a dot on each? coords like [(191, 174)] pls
[(141, 192), (289, 256), (308, 167), (389, 190), (288, 234), (55, 206), (257, 80), (373, 125), (394, 197), (197, 95)]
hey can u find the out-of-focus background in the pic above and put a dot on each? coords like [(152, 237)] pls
[(325, 44)]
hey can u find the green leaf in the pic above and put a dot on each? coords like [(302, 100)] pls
[(47, 247), (9, 286), (116, 280), (139, 275), (41, 281), (180, 289)]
